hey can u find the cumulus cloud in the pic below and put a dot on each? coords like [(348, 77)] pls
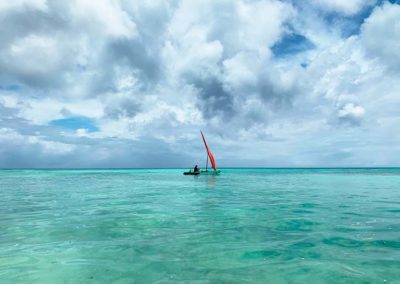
[(105, 17), (351, 113), (22, 4), (139, 79), (381, 35), (346, 7)]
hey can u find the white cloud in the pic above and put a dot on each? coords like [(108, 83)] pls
[(42, 111), (192, 53), (351, 111), (18, 4), (10, 136), (199, 35), (381, 34), (241, 70), (103, 16), (344, 6), (151, 73), (31, 55), (261, 24)]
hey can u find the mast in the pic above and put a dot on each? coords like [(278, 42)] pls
[(207, 164)]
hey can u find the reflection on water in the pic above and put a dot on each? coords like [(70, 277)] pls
[(211, 181)]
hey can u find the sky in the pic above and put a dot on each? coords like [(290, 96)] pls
[(104, 84)]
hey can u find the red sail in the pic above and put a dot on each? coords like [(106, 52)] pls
[(210, 155)]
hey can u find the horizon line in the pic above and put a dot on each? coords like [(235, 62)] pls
[(184, 168)]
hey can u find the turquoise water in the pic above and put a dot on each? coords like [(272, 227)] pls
[(158, 226)]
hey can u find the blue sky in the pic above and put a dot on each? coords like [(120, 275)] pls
[(131, 83), (75, 123)]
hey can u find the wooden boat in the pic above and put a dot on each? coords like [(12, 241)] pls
[(190, 173), (212, 161)]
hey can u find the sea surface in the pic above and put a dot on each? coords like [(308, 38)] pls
[(159, 226)]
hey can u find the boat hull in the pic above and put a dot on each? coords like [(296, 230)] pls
[(202, 173), (190, 174)]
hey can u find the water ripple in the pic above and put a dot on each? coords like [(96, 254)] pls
[(158, 226)]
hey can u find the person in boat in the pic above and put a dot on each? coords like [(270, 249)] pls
[(196, 169)]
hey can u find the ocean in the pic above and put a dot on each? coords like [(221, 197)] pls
[(159, 226)]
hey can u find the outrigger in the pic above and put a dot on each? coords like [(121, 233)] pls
[(212, 161)]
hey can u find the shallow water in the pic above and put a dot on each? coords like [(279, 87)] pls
[(158, 226)]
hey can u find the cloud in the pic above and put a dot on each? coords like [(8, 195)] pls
[(342, 6), (272, 83), (381, 35), (106, 17), (14, 140), (51, 47), (31, 57), (23, 4), (351, 113)]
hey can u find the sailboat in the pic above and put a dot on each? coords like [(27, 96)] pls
[(212, 161)]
